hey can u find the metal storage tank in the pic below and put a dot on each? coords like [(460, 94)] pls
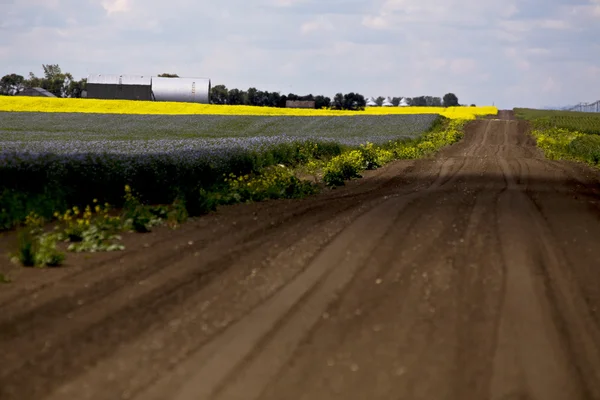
[(122, 87), (192, 90)]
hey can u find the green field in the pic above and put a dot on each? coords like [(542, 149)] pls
[(565, 135), (576, 121)]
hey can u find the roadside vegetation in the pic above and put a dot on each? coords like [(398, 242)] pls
[(168, 195), (565, 135), (572, 120)]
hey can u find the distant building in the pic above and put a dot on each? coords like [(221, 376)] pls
[(403, 103), (36, 92), (387, 103), (119, 87), (129, 87), (300, 104), (371, 102)]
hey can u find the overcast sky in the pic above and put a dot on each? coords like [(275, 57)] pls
[(509, 53)]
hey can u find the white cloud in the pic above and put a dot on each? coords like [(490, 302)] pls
[(319, 24), (375, 22), (463, 66), (287, 3), (551, 86), (116, 6)]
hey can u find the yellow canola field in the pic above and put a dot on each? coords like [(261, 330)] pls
[(58, 105)]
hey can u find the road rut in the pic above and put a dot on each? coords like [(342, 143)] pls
[(471, 275)]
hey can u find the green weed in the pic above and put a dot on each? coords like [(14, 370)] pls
[(36, 248)]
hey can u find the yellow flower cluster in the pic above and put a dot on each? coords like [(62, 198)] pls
[(77, 222), (349, 165), (34, 221), (58, 105)]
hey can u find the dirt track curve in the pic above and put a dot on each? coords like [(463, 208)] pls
[(474, 275)]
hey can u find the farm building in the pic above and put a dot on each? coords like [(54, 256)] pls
[(36, 91), (129, 87), (403, 103), (190, 90), (122, 87), (387, 102), (371, 102), (299, 104)]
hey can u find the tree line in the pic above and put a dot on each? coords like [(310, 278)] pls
[(64, 85), (220, 94), (54, 80)]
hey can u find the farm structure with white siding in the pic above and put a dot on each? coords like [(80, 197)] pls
[(150, 88)]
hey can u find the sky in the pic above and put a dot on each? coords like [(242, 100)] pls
[(529, 53)]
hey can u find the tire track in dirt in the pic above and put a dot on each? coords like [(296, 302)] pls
[(530, 360)]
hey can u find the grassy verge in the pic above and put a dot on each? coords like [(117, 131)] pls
[(588, 123), (565, 135), (565, 144)]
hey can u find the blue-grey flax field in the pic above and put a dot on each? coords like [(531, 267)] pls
[(50, 161)]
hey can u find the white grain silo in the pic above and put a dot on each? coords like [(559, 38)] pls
[(190, 90)]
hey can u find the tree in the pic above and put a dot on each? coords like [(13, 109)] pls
[(273, 99), (419, 101), (54, 80), (282, 101), (167, 75), (436, 102), (306, 98), (33, 81), (379, 101), (322, 102), (218, 94), (354, 101), (236, 97), (252, 99), (450, 100), (338, 101), (396, 101), (12, 84), (75, 88)]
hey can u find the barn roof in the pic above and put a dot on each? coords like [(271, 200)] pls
[(43, 92), (40, 90), (119, 79)]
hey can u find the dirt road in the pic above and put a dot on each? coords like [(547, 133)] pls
[(474, 275)]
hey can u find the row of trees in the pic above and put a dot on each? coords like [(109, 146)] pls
[(64, 85), (253, 97), (54, 80)]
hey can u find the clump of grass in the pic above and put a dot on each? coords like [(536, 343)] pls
[(90, 230), (4, 279), (138, 216), (36, 248)]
